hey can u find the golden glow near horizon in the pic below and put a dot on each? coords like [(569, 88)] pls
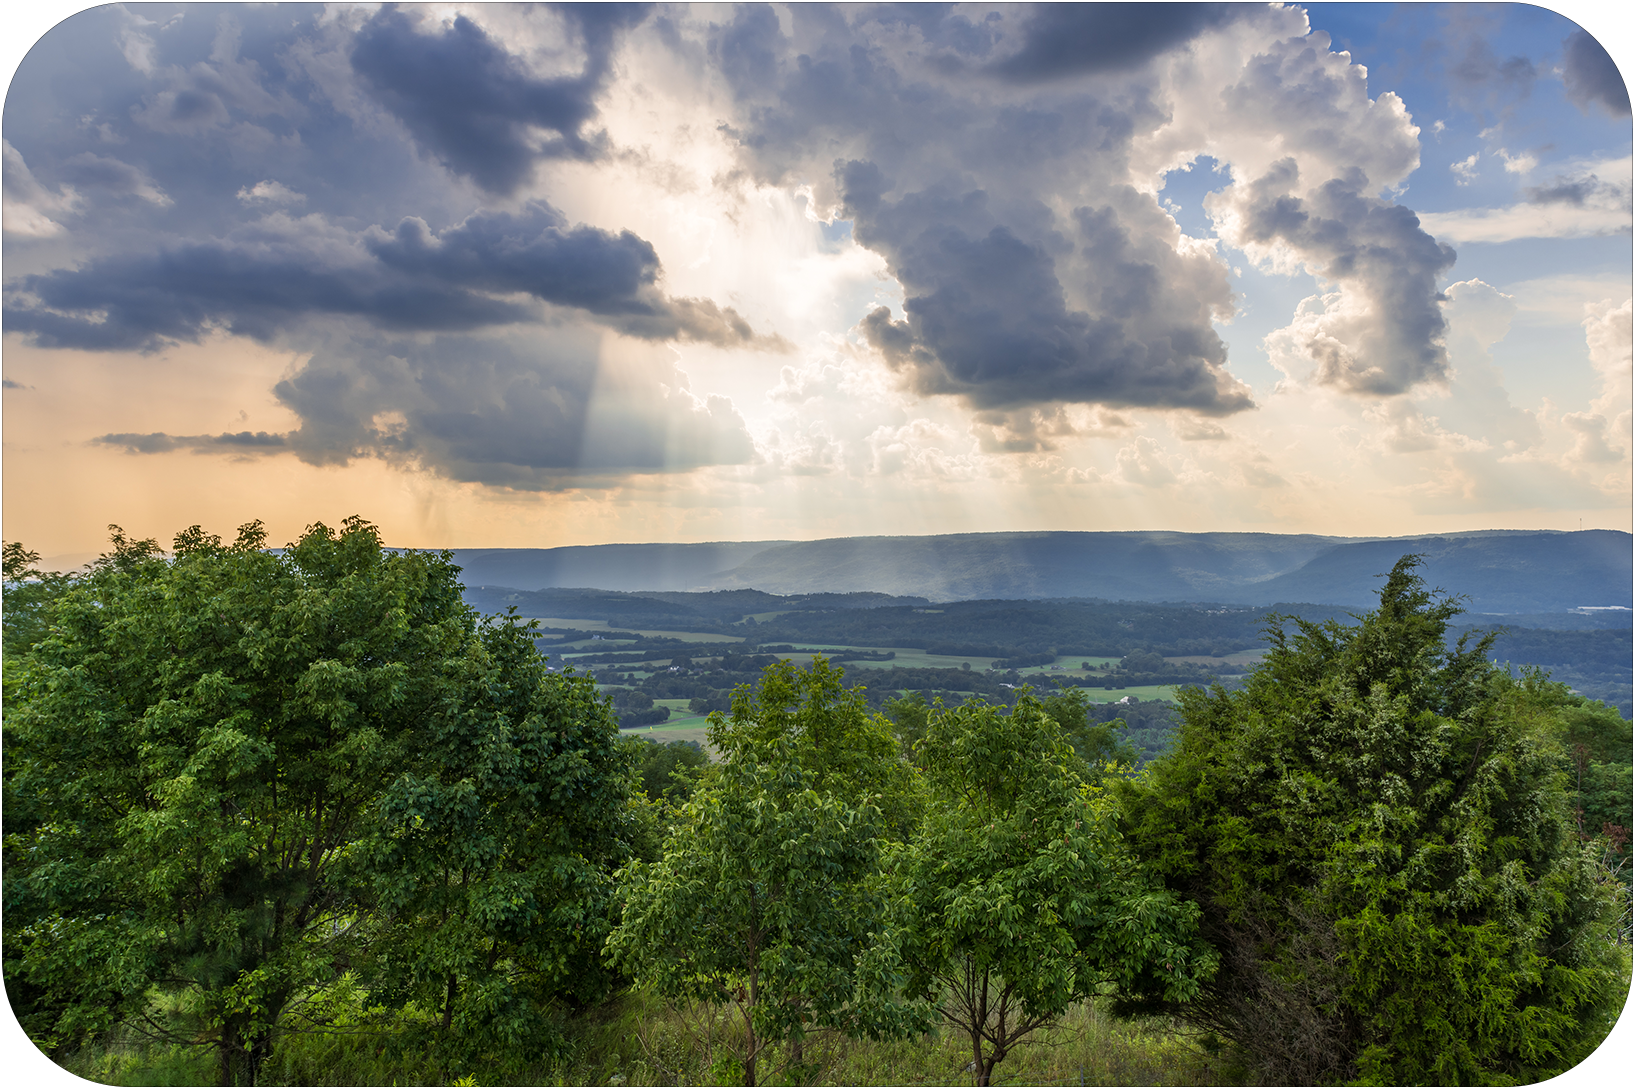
[(569, 422)]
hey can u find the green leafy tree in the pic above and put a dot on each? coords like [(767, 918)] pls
[(201, 747), (668, 770), (28, 591), (1017, 899), (1099, 744), (767, 897), (910, 718), (491, 855), (1377, 829)]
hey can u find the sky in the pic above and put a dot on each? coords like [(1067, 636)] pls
[(528, 277)]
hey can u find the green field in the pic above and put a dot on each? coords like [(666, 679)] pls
[(603, 626), (681, 726)]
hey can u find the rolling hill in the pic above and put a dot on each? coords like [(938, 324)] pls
[(1499, 571)]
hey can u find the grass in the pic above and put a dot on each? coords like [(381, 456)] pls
[(642, 1041), (639, 1040)]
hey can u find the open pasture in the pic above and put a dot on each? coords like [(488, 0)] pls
[(602, 626)]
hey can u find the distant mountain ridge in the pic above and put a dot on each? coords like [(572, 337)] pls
[(1500, 571)]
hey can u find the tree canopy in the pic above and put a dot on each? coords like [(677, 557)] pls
[(1377, 830), (234, 774), (766, 895), (1018, 899)]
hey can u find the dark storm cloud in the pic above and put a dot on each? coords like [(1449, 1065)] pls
[(515, 411), (1008, 302), (988, 318), (475, 106), (1592, 76), (88, 170), (1063, 40), (610, 275), (143, 302), (1374, 249), (512, 411), (411, 279), (535, 252)]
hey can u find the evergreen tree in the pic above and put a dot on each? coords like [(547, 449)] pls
[(1377, 829)]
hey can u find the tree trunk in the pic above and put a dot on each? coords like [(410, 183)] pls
[(226, 1047), (751, 1054), (982, 1067)]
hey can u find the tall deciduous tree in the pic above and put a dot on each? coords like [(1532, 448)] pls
[(203, 746), (491, 855), (1017, 899), (1378, 830), (767, 895)]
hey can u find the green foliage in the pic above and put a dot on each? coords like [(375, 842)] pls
[(1101, 745), (28, 591), (1017, 899), (491, 854), (910, 719), (233, 774), (766, 897), (1378, 831), (668, 769)]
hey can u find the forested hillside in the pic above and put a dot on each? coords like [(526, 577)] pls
[(1499, 571)]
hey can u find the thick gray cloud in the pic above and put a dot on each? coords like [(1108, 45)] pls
[(220, 170), (988, 317), (520, 411), (474, 106), (1061, 40), (1392, 336), (146, 301), (1592, 76), (1032, 272), (88, 170), (268, 280)]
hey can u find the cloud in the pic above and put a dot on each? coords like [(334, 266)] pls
[(1523, 221), (1478, 317), (512, 411), (1402, 428), (476, 107), (1609, 330), (1464, 170), (1591, 446), (281, 272), (119, 179), (204, 98), (29, 205), (1524, 163), (988, 318), (1144, 463), (160, 443), (1382, 331), (136, 40), (1480, 77), (270, 192), (1065, 40), (1578, 203), (1591, 75), (1576, 192)]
